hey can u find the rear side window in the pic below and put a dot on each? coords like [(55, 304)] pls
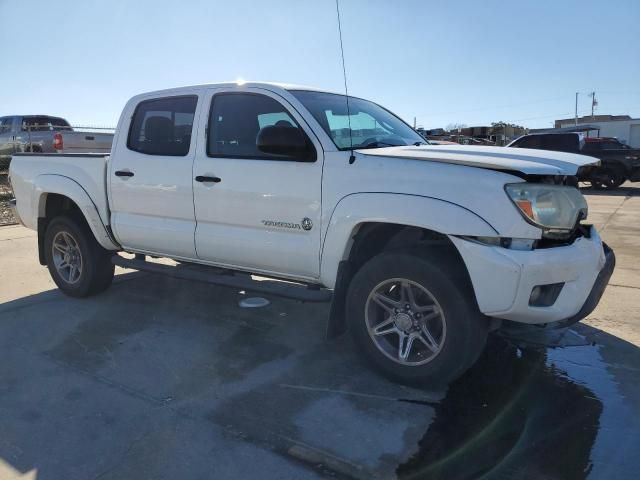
[(163, 126), (557, 142), (236, 119), (561, 143), (591, 147), (44, 124), (528, 142), (5, 124), (611, 146)]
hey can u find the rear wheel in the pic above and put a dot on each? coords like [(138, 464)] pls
[(77, 263), (417, 323)]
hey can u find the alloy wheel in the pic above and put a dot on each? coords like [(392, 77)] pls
[(67, 257), (405, 321)]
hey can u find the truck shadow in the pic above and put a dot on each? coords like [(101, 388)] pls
[(628, 189), (157, 373)]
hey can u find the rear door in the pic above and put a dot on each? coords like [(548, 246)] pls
[(150, 176), (262, 212)]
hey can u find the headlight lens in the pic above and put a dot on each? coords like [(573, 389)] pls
[(551, 207)]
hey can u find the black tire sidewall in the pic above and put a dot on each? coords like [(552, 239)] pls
[(90, 256), (459, 312), (614, 174)]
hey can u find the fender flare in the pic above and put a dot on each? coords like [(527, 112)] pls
[(411, 210), (65, 186)]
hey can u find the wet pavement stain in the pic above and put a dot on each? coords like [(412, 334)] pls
[(93, 342), (524, 414)]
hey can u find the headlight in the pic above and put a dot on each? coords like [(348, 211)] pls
[(550, 207)]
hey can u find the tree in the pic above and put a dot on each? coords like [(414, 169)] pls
[(500, 127)]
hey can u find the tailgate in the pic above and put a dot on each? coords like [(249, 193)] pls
[(86, 142)]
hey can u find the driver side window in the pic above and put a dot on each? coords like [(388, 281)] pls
[(236, 119)]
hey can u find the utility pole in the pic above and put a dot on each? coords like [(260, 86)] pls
[(576, 109), (594, 102), (414, 123)]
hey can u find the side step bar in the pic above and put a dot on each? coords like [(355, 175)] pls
[(228, 278)]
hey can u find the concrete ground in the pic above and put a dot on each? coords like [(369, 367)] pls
[(160, 378)]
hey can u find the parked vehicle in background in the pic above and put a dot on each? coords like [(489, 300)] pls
[(47, 134), (459, 140), (422, 249), (464, 140), (619, 162), (441, 142)]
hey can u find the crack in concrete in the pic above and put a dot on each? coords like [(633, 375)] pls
[(623, 286), (613, 214)]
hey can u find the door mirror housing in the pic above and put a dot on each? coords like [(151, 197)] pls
[(287, 141)]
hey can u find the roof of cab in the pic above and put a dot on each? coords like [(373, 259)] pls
[(273, 86)]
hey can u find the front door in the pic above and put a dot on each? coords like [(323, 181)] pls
[(150, 177), (256, 210)]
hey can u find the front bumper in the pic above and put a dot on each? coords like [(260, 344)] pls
[(503, 279)]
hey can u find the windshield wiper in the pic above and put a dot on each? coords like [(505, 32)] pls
[(417, 144), (378, 144)]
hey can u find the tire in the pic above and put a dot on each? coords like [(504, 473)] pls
[(607, 178), (458, 333), (93, 268)]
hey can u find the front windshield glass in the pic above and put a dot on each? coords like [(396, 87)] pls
[(371, 125)]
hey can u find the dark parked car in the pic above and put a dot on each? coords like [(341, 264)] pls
[(619, 162)]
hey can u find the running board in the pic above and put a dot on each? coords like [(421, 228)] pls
[(228, 278)]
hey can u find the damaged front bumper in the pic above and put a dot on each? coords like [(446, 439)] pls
[(549, 334), (510, 285)]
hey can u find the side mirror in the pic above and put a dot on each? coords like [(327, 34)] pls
[(287, 141)]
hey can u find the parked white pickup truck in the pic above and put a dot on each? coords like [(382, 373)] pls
[(422, 249)]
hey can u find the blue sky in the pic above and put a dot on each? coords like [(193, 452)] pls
[(467, 61)]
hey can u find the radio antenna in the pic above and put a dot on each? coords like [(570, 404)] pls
[(352, 157)]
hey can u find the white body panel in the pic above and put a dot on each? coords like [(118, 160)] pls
[(453, 190)]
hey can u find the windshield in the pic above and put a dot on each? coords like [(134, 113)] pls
[(371, 125)]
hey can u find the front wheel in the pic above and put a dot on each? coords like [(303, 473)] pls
[(414, 319), (77, 263)]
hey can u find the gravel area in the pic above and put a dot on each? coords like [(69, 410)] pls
[(6, 215)]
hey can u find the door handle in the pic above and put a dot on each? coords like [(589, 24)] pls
[(204, 179), (123, 173)]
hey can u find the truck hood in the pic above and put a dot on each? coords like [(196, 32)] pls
[(524, 160)]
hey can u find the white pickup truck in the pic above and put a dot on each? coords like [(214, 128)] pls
[(421, 249)]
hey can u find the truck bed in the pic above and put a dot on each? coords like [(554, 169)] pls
[(29, 170)]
